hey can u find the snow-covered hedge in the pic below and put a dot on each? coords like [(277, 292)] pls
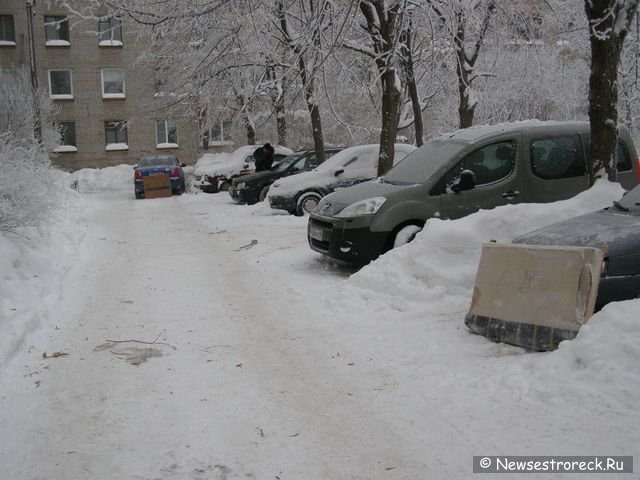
[(29, 186)]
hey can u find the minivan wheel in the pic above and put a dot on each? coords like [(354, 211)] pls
[(307, 202), (263, 193), (406, 235)]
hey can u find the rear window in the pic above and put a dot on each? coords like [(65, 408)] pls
[(157, 162)]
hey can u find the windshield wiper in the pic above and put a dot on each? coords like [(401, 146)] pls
[(619, 206)]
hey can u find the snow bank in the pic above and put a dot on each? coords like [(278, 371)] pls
[(108, 179), (602, 362), (433, 265), (33, 264)]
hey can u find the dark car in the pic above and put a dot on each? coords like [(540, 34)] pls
[(253, 188), (160, 164), (618, 229)]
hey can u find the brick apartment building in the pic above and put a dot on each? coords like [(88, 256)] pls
[(109, 112)]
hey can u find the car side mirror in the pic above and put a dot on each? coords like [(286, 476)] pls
[(182, 165), (338, 172), (135, 166), (466, 181)]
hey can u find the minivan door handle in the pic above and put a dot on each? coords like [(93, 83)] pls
[(511, 194)]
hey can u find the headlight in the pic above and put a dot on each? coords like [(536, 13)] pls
[(370, 206), (241, 185)]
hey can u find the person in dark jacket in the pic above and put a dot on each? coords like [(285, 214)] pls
[(264, 157)]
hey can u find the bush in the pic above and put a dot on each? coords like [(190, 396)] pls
[(29, 186)]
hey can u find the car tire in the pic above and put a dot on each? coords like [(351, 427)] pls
[(224, 186), (307, 202), (263, 193), (405, 235), (139, 195)]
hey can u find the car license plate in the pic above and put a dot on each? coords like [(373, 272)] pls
[(316, 233)]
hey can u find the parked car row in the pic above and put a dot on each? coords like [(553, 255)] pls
[(355, 217), (218, 175), (254, 187), (300, 194)]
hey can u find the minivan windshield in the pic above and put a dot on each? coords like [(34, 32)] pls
[(420, 165)]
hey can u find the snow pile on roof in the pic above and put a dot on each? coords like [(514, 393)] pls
[(108, 179), (208, 162)]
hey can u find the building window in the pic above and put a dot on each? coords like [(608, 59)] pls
[(220, 133), (67, 137), (56, 29), (116, 135), (7, 30), (110, 32), (112, 83), (166, 134), (60, 84)]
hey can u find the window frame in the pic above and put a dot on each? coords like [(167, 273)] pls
[(113, 26), (222, 138), (7, 35), (166, 141), (69, 143), (102, 81), (116, 126), (57, 40), (61, 96)]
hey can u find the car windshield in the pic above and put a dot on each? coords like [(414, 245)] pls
[(285, 162), (630, 201), (420, 165), (343, 158), (156, 162)]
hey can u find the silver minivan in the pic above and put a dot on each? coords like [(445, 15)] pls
[(457, 174)]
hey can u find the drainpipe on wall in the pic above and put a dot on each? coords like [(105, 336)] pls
[(37, 128)]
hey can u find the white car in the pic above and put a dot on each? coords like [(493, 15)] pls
[(215, 172), (301, 193)]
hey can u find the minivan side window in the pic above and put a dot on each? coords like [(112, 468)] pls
[(490, 164), (557, 157)]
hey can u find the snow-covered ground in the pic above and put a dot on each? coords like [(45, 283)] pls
[(265, 360)]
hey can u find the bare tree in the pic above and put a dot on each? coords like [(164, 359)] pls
[(306, 47), (467, 22), (383, 23), (609, 23)]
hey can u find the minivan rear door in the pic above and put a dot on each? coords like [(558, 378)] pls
[(497, 170)]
